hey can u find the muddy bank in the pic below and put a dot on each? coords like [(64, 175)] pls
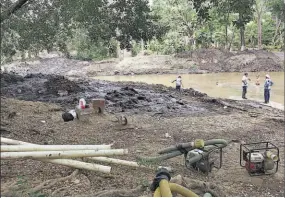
[(127, 97), (214, 60), (196, 62), (120, 97)]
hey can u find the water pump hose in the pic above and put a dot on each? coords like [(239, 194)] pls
[(161, 157), (190, 145), (166, 189), (174, 151)]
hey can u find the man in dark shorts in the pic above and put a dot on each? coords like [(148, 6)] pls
[(244, 81), (178, 83)]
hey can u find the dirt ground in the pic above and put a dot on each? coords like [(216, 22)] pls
[(199, 61), (152, 111)]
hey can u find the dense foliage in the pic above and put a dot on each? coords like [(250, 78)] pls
[(96, 28)]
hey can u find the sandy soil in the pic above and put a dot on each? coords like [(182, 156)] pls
[(159, 111)]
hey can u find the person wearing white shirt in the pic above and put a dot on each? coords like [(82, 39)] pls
[(244, 81), (178, 83)]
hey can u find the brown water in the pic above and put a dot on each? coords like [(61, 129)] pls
[(224, 85)]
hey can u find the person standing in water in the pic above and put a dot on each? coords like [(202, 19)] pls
[(244, 81), (178, 83), (257, 80), (267, 87)]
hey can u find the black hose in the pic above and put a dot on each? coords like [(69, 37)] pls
[(180, 149), (188, 146), (176, 147), (161, 157)]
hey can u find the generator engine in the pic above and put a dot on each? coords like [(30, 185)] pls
[(259, 161)]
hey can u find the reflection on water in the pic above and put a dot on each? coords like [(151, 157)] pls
[(224, 85)]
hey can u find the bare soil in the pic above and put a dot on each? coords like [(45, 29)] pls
[(215, 60), (199, 61), (152, 111)]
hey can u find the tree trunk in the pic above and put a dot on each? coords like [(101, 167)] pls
[(23, 55), (259, 22), (226, 44), (230, 44), (278, 23), (227, 23), (142, 45), (242, 38)]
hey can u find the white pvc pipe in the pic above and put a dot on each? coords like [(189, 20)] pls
[(14, 142), (13, 148), (65, 162), (79, 165), (62, 154), (124, 162), (116, 161)]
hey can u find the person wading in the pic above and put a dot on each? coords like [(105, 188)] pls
[(178, 83), (244, 81), (267, 87), (257, 80)]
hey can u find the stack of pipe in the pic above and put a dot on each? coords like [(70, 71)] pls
[(61, 154)]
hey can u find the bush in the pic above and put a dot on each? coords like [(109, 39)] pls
[(96, 51), (147, 52), (136, 48), (273, 48)]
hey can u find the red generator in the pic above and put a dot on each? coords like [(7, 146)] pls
[(261, 158)]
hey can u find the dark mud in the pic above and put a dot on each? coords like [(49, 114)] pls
[(120, 97)]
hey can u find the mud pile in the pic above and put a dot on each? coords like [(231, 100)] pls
[(7, 78), (56, 84), (141, 100), (39, 87), (215, 60)]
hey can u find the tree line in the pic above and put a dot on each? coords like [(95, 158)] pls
[(95, 28)]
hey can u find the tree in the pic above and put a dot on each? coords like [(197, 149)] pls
[(46, 25), (12, 9), (224, 9), (260, 8), (244, 9), (180, 17), (277, 9), (133, 21)]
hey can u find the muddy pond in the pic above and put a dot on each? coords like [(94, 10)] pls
[(223, 85)]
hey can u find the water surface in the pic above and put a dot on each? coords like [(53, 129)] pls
[(224, 85)]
